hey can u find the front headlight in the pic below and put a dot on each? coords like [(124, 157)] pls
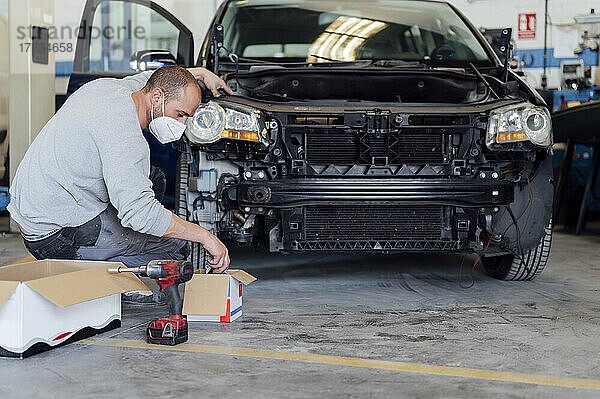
[(214, 121), (520, 122)]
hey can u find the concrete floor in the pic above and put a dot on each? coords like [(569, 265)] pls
[(406, 308)]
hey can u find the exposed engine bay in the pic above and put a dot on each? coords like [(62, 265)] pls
[(362, 85)]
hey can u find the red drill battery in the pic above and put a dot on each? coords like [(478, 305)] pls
[(172, 330)]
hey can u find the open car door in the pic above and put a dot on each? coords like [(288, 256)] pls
[(111, 31)]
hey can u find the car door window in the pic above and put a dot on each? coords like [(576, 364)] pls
[(121, 28)]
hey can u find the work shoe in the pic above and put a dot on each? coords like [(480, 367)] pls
[(144, 298)]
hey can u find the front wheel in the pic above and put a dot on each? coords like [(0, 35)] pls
[(197, 253), (519, 268)]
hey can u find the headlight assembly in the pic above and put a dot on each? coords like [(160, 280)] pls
[(215, 121), (520, 122)]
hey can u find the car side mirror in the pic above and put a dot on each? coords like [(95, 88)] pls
[(147, 60)]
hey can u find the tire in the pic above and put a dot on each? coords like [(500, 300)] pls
[(515, 268), (197, 253)]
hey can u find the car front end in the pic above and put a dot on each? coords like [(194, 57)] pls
[(371, 154)]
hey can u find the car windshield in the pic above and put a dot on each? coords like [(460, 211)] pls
[(336, 30)]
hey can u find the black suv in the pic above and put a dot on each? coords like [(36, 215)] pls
[(379, 126)]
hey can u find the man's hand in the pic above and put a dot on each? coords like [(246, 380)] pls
[(210, 80), (185, 230), (220, 255)]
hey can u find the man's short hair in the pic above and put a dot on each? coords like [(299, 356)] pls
[(172, 80)]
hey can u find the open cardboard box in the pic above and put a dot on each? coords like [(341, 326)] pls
[(215, 297), (49, 302)]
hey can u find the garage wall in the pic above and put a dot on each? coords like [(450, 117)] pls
[(563, 33), (4, 90)]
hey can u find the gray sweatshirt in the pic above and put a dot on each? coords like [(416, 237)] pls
[(90, 154)]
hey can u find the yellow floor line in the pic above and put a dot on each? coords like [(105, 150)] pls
[(357, 362), (25, 260)]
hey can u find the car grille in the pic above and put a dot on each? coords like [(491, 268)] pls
[(379, 223), (394, 148), (332, 148)]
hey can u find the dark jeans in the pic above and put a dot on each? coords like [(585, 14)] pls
[(65, 243), (104, 238)]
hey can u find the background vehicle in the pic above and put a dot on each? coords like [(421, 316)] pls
[(360, 126)]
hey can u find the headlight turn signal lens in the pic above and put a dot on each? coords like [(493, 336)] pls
[(232, 134), (511, 137)]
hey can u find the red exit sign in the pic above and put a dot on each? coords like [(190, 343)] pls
[(527, 26)]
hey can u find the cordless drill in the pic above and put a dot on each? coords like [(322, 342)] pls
[(171, 330)]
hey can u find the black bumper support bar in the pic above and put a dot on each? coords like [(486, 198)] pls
[(302, 192)]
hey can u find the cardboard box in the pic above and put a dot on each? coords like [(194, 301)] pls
[(49, 302), (215, 297)]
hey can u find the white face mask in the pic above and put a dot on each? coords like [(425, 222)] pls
[(165, 129)]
